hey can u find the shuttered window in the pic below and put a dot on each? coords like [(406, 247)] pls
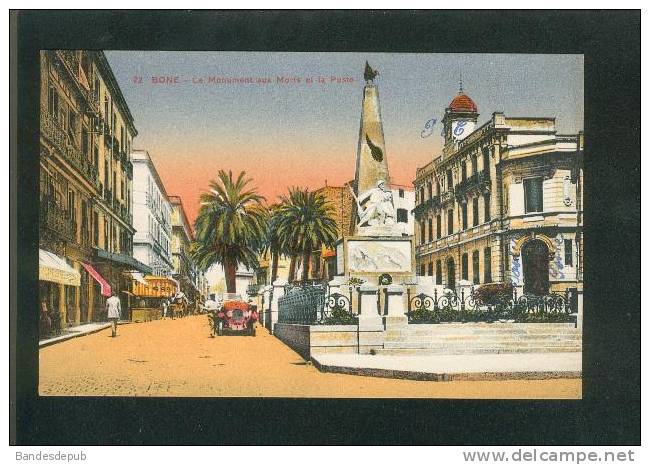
[(534, 195)]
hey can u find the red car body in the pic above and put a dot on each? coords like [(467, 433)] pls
[(235, 316)]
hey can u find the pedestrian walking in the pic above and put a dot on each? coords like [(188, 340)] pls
[(113, 310), (165, 305)]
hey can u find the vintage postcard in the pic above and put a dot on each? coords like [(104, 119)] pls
[(285, 224)]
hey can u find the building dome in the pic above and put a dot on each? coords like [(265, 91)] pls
[(463, 104)]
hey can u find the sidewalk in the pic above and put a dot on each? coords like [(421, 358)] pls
[(455, 367), (76, 331)]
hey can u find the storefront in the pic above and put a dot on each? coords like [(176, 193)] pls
[(148, 294), (58, 291)]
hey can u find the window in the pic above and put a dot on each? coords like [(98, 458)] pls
[(430, 230), (568, 252), (95, 228), (450, 222), (72, 125), (438, 272), (475, 211), (430, 269), (487, 207), (437, 187), (422, 269), (487, 265), (463, 210), (534, 195), (52, 101), (450, 180), (463, 171), (402, 215), (438, 227), (430, 188), (464, 267), (105, 234), (422, 232), (96, 157), (401, 193), (72, 213), (475, 267), (474, 164), (486, 158)]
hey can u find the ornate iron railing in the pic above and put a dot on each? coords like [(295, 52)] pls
[(430, 204), (450, 307), (480, 181), (300, 305), (51, 129), (57, 220)]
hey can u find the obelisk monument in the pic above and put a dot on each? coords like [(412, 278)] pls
[(377, 250), (371, 150)]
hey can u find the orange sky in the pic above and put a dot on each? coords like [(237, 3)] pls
[(187, 174)]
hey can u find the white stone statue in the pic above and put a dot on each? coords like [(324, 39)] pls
[(379, 209)]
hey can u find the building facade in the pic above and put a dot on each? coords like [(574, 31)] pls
[(184, 269), (152, 216), (502, 203), (86, 133)]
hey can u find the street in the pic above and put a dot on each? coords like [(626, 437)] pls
[(179, 358)]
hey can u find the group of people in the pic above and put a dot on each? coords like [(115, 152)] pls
[(178, 299)]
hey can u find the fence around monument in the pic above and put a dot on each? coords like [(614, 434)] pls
[(314, 304)]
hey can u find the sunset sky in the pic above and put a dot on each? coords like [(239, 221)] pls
[(297, 133)]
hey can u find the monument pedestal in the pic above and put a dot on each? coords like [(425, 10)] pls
[(369, 257)]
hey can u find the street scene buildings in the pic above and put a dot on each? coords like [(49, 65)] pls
[(501, 203), (352, 248), (89, 193)]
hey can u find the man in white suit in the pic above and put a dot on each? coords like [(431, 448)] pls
[(113, 309)]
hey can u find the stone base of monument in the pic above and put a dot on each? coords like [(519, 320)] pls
[(369, 257)]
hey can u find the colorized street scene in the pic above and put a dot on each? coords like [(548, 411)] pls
[(141, 361), (266, 225)]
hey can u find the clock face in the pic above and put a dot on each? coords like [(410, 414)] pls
[(461, 129)]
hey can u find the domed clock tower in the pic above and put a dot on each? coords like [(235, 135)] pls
[(459, 121)]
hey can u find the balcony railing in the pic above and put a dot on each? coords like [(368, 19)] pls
[(57, 220), (479, 181), (430, 204), (51, 129)]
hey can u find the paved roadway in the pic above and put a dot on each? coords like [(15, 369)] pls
[(179, 358)]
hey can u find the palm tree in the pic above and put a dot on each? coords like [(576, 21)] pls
[(305, 223), (230, 225), (272, 243)]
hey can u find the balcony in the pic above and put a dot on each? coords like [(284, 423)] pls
[(51, 130), (447, 196), (431, 204), (57, 220), (479, 182), (108, 196)]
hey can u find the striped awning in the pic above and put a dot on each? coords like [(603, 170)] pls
[(55, 269), (103, 284)]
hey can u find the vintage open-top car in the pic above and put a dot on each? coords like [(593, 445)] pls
[(234, 316)]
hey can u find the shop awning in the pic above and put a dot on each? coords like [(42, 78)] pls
[(125, 261), (154, 286), (53, 268), (106, 288)]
